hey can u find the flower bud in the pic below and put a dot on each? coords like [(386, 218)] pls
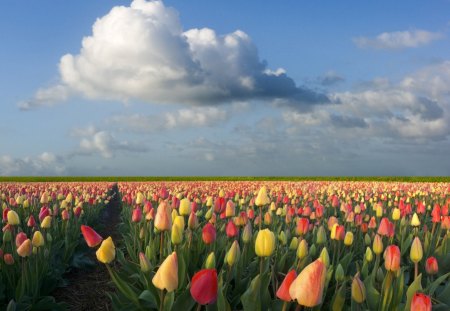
[(210, 262), (415, 222), (167, 275), (282, 238), (321, 236), (368, 255), (358, 289), (47, 222), (294, 244), (308, 287), (91, 237), (265, 243), (144, 263), (348, 240), (13, 218), (392, 258), (107, 251), (233, 254), (325, 257), (339, 274), (283, 290), (262, 198), (185, 207), (38, 239), (25, 249), (421, 302), (431, 265), (247, 233), (9, 259), (416, 252), (396, 214), (176, 234), (302, 250), (377, 245)]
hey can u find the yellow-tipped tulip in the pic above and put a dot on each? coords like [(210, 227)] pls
[(167, 275), (107, 251), (396, 214), (416, 252), (307, 288), (325, 257), (377, 245), (210, 262), (265, 243), (176, 234), (302, 250), (38, 239), (13, 218)]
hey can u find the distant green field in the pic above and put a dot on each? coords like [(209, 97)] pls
[(223, 178)]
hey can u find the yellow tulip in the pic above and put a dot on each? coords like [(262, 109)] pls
[(13, 218), (358, 289), (416, 252), (302, 249), (176, 234), (233, 254), (167, 275), (38, 239), (396, 214), (415, 222), (107, 251), (185, 207), (47, 222), (348, 240), (262, 198), (265, 243)]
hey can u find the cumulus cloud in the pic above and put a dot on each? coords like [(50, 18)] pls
[(44, 164), (330, 78), (46, 97), (93, 141), (398, 39), (141, 52), (180, 119)]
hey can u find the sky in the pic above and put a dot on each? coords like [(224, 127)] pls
[(225, 88)]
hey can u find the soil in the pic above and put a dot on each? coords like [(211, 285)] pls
[(87, 288)]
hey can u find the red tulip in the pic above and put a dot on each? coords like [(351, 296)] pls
[(204, 286), (91, 237), (231, 229), (283, 290), (421, 302), (302, 226), (392, 258), (20, 238), (136, 216), (208, 233), (431, 265), (31, 222)]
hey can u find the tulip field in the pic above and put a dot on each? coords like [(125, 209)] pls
[(233, 245)]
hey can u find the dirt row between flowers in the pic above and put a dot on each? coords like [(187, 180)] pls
[(87, 287)]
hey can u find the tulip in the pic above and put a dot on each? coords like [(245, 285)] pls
[(204, 286), (47, 222), (25, 249), (231, 229), (262, 198), (163, 221), (13, 218), (325, 257), (185, 207), (321, 236), (230, 209), (210, 262), (136, 216), (339, 275), (233, 254), (9, 259), (348, 240), (283, 290), (392, 258), (208, 233), (31, 222), (107, 251), (416, 252), (192, 221), (176, 234), (377, 245), (20, 238), (368, 255), (91, 237), (431, 265), (294, 244), (38, 239), (358, 289), (179, 221), (308, 287), (144, 263), (265, 243), (415, 222), (247, 233), (302, 250), (396, 214), (166, 278), (421, 302)]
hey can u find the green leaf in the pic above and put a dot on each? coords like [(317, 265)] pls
[(373, 295), (444, 296), (184, 301), (412, 289), (437, 282), (339, 299), (122, 286), (149, 298), (168, 301), (11, 305), (251, 299), (181, 270)]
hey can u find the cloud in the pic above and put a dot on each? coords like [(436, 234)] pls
[(181, 119), (100, 142), (141, 53), (44, 164), (330, 78), (398, 39), (46, 97)]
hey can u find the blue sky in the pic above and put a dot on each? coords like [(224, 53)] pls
[(225, 88)]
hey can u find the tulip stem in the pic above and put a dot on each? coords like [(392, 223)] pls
[(416, 270), (161, 300), (161, 242), (261, 264), (199, 307), (260, 217), (284, 308)]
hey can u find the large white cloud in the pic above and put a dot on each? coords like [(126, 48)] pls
[(398, 39), (141, 52), (44, 164)]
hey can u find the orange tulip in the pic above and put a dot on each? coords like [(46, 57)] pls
[(163, 219), (392, 258), (307, 288), (421, 302)]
